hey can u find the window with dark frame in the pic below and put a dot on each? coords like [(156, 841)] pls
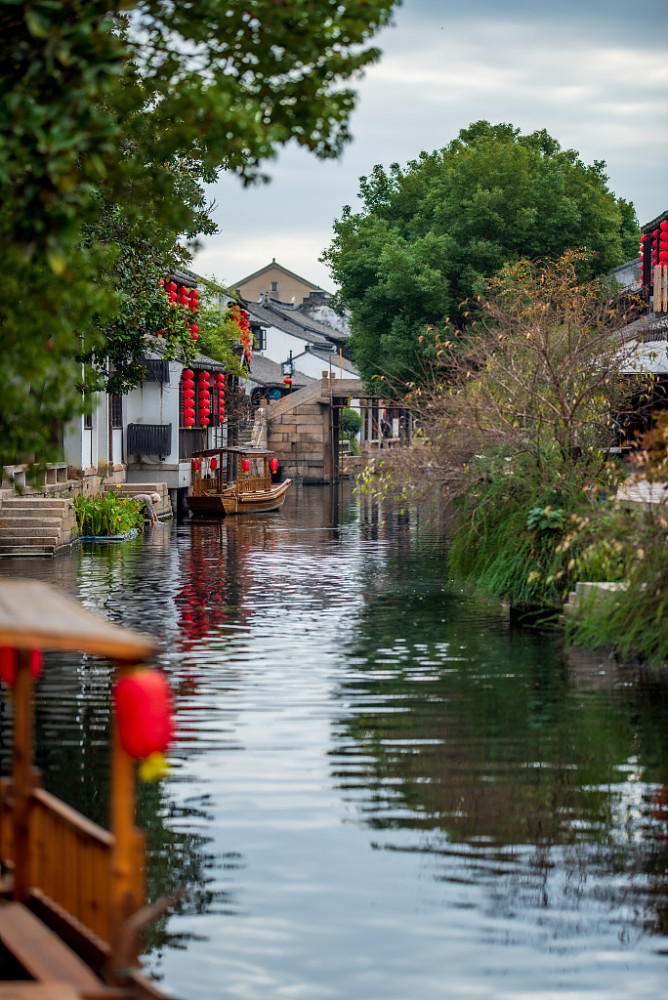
[(116, 408), (259, 338)]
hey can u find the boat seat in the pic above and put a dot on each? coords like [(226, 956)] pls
[(22, 990), (46, 958)]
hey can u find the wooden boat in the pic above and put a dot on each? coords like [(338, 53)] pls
[(234, 481), (72, 896)]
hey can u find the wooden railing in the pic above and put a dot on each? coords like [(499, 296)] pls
[(247, 483), (70, 861)]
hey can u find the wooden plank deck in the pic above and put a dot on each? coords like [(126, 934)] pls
[(42, 954), (38, 991)]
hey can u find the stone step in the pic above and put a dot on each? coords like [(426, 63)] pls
[(27, 543), (28, 550), (24, 521), (141, 488), (31, 531), (30, 503)]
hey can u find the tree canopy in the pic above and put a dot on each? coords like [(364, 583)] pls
[(429, 234), (113, 114)]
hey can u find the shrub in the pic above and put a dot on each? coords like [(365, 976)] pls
[(520, 523), (107, 514), (350, 422), (632, 546)]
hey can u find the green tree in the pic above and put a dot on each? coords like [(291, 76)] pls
[(139, 102), (514, 430), (430, 233)]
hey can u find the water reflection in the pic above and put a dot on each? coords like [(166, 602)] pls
[(378, 786)]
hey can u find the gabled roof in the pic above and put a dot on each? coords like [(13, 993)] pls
[(649, 227), (268, 373), (295, 322), (285, 270), (289, 321)]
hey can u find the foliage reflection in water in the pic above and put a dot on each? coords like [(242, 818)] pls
[(379, 788)]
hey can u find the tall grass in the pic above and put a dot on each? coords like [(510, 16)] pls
[(632, 546), (519, 525)]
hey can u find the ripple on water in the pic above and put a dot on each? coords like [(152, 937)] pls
[(378, 789)]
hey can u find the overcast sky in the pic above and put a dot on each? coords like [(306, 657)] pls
[(593, 73)]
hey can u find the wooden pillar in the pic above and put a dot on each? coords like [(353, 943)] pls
[(22, 775), (125, 895)]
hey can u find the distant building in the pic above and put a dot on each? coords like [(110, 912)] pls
[(276, 282)]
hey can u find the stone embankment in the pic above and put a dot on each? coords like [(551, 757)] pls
[(162, 507), (45, 526), (36, 526)]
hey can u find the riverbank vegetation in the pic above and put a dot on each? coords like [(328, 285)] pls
[(514, 438), (114, 117), (107, 514)]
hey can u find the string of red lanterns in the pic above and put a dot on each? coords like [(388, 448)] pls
[(188, 390), (240, 317), (204, 399), (219, 380), (663, 243)]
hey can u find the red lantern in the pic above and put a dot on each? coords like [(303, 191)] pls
[(171, 287), (188, 383), (182, 300), (188, 421), (245, 464), (195, 336), (203, 376), (287, 381), (195, 464), (273, 465), (219, 377), (194, 294), (214, 464), (188, 411), (194, 328), (9, 664), (143, 705), (204, 421), (193, 306), (188, 373)]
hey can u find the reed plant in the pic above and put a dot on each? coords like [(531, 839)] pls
[(107, 514), (519, 525), (631, 548)]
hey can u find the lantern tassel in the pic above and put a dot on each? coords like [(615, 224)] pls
[(153, 767)]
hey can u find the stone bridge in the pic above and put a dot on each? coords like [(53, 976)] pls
[(302, 428)]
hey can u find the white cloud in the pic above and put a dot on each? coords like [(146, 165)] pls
[(594, 78)]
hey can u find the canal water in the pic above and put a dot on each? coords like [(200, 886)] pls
[(379, 790)]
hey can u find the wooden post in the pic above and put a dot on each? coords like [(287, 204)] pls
[(22, 775), (125, 879)]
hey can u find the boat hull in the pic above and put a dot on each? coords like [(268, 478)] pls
[(232, 501)]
